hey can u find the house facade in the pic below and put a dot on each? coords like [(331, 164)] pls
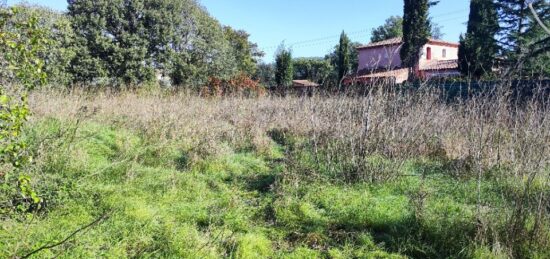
[(382, 61)]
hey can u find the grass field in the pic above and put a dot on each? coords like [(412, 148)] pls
[(384, 175)]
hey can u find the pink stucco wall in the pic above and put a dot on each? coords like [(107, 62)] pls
[(379, 58), (387, 57)]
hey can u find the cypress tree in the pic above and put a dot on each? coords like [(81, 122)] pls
[(478, 47), (343, 64), (416, 31), (284, 70)]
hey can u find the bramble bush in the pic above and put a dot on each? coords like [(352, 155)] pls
[(240, 84)]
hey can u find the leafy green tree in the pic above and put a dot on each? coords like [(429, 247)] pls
[(343, 63), (113, 39), (265, 74), (314, 69), (284, 70), (60, 36), (129, 41), (416, 30), (393, 28), (199, 48), (535, 63), (245, 52), (514, 17), (478, 47), (21, 42)]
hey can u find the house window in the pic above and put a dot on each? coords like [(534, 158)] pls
[(444, 53), (429, 53)]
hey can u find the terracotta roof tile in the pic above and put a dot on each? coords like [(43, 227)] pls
[(399, 40), (439, 65), (392, 41)]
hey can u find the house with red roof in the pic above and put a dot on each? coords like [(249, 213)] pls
[(380, 61)]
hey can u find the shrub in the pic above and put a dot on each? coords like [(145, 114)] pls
[(238, 85)]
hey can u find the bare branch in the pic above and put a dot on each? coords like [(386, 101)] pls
[(538, 18), (103, 217)]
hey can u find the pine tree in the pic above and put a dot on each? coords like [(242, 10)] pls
[(514, 19), (538, 54), (521, 38), (284, 70), (416, 30), (478, 47), (343, 64)]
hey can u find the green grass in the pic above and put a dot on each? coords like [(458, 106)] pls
[(164, 201)]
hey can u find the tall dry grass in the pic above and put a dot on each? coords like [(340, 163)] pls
[(487, 135)]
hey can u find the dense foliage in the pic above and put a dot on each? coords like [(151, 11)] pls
[(525, 45), (393, 28), (284, 70), (265, 73), (114, 40), (478, 48), (322, 70), (21, 43), (135, 42), (343, 61), (318, 70), (246, 53)]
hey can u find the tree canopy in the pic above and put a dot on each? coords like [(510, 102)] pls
[(317, 70), (393, 28), (129, 42)]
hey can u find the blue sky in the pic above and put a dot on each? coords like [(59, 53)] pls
[(314, 25)]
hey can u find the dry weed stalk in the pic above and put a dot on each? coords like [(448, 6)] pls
[(490, 132)]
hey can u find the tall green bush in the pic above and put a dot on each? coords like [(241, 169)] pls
[(284, 70), (20, 49)]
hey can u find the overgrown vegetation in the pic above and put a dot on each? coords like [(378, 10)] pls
[(388, 175), (226, 170), (23, 68)]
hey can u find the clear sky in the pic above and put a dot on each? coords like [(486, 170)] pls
[(312, 27)]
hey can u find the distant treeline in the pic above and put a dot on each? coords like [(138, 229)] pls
[(178, 43), (119, 42)]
